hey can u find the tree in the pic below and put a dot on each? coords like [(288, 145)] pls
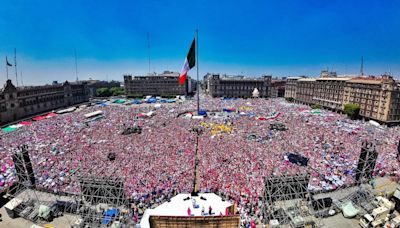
[(103, 92), (289, 99), (352, 110), (316, 106), (117, 91)]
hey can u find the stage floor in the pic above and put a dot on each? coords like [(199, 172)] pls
[(179, 207)]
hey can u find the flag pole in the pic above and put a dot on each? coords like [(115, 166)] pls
[(76, 66), (15, 64), (197, 67), (7, 67)]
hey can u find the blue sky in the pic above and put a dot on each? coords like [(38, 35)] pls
[(297, 37)]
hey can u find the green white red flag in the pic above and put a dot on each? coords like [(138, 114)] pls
[(190, 62)]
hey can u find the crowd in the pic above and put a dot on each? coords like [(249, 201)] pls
[(158, 163)]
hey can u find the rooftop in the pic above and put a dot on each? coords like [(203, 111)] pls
[(371, 79), (334, 79), (307, 79), (163, 74)]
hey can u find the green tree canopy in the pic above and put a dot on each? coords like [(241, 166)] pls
[(315, 106), (106, 92), (103, 92), (352, 110), (117, 91), (289, 99)]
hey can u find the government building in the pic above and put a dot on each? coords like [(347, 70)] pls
[(24, 101), (165, 84), (291, 86), (378, 97), (218, 85)]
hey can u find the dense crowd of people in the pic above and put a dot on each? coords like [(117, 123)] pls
[(158, 162)]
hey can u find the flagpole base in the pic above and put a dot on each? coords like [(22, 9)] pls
[(194, 193)]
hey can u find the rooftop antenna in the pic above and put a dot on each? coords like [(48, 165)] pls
[(362, 66), (22, 82), (76, 66), (15, 64), (148, 49)]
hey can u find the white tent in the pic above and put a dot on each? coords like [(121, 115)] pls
[(256, 93), (92, 114), (12, 204), (150, 114), (374, 123), (66, 110)]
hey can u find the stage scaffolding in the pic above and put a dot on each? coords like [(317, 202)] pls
[(87, 207), (288, 200), (99, 195)]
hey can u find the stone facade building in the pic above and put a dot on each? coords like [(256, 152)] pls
[(328, 92), (20, 102), (291, 86), (378, 97), (277, 88), (165, 84), (218, 85), (305, 90)]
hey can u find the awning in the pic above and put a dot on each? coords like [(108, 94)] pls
[(136, 102), (229, 109), (9, 129), (25, 123), (39, 118), (92, 114), (66, 110), (152, 100), (119, 101), (52, 114)]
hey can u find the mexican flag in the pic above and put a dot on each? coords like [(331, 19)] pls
[(190, 62)]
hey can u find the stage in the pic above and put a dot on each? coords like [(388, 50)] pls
[(179, 207)]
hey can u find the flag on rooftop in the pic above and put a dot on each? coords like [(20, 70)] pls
[(190, 62), (8, 64)]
